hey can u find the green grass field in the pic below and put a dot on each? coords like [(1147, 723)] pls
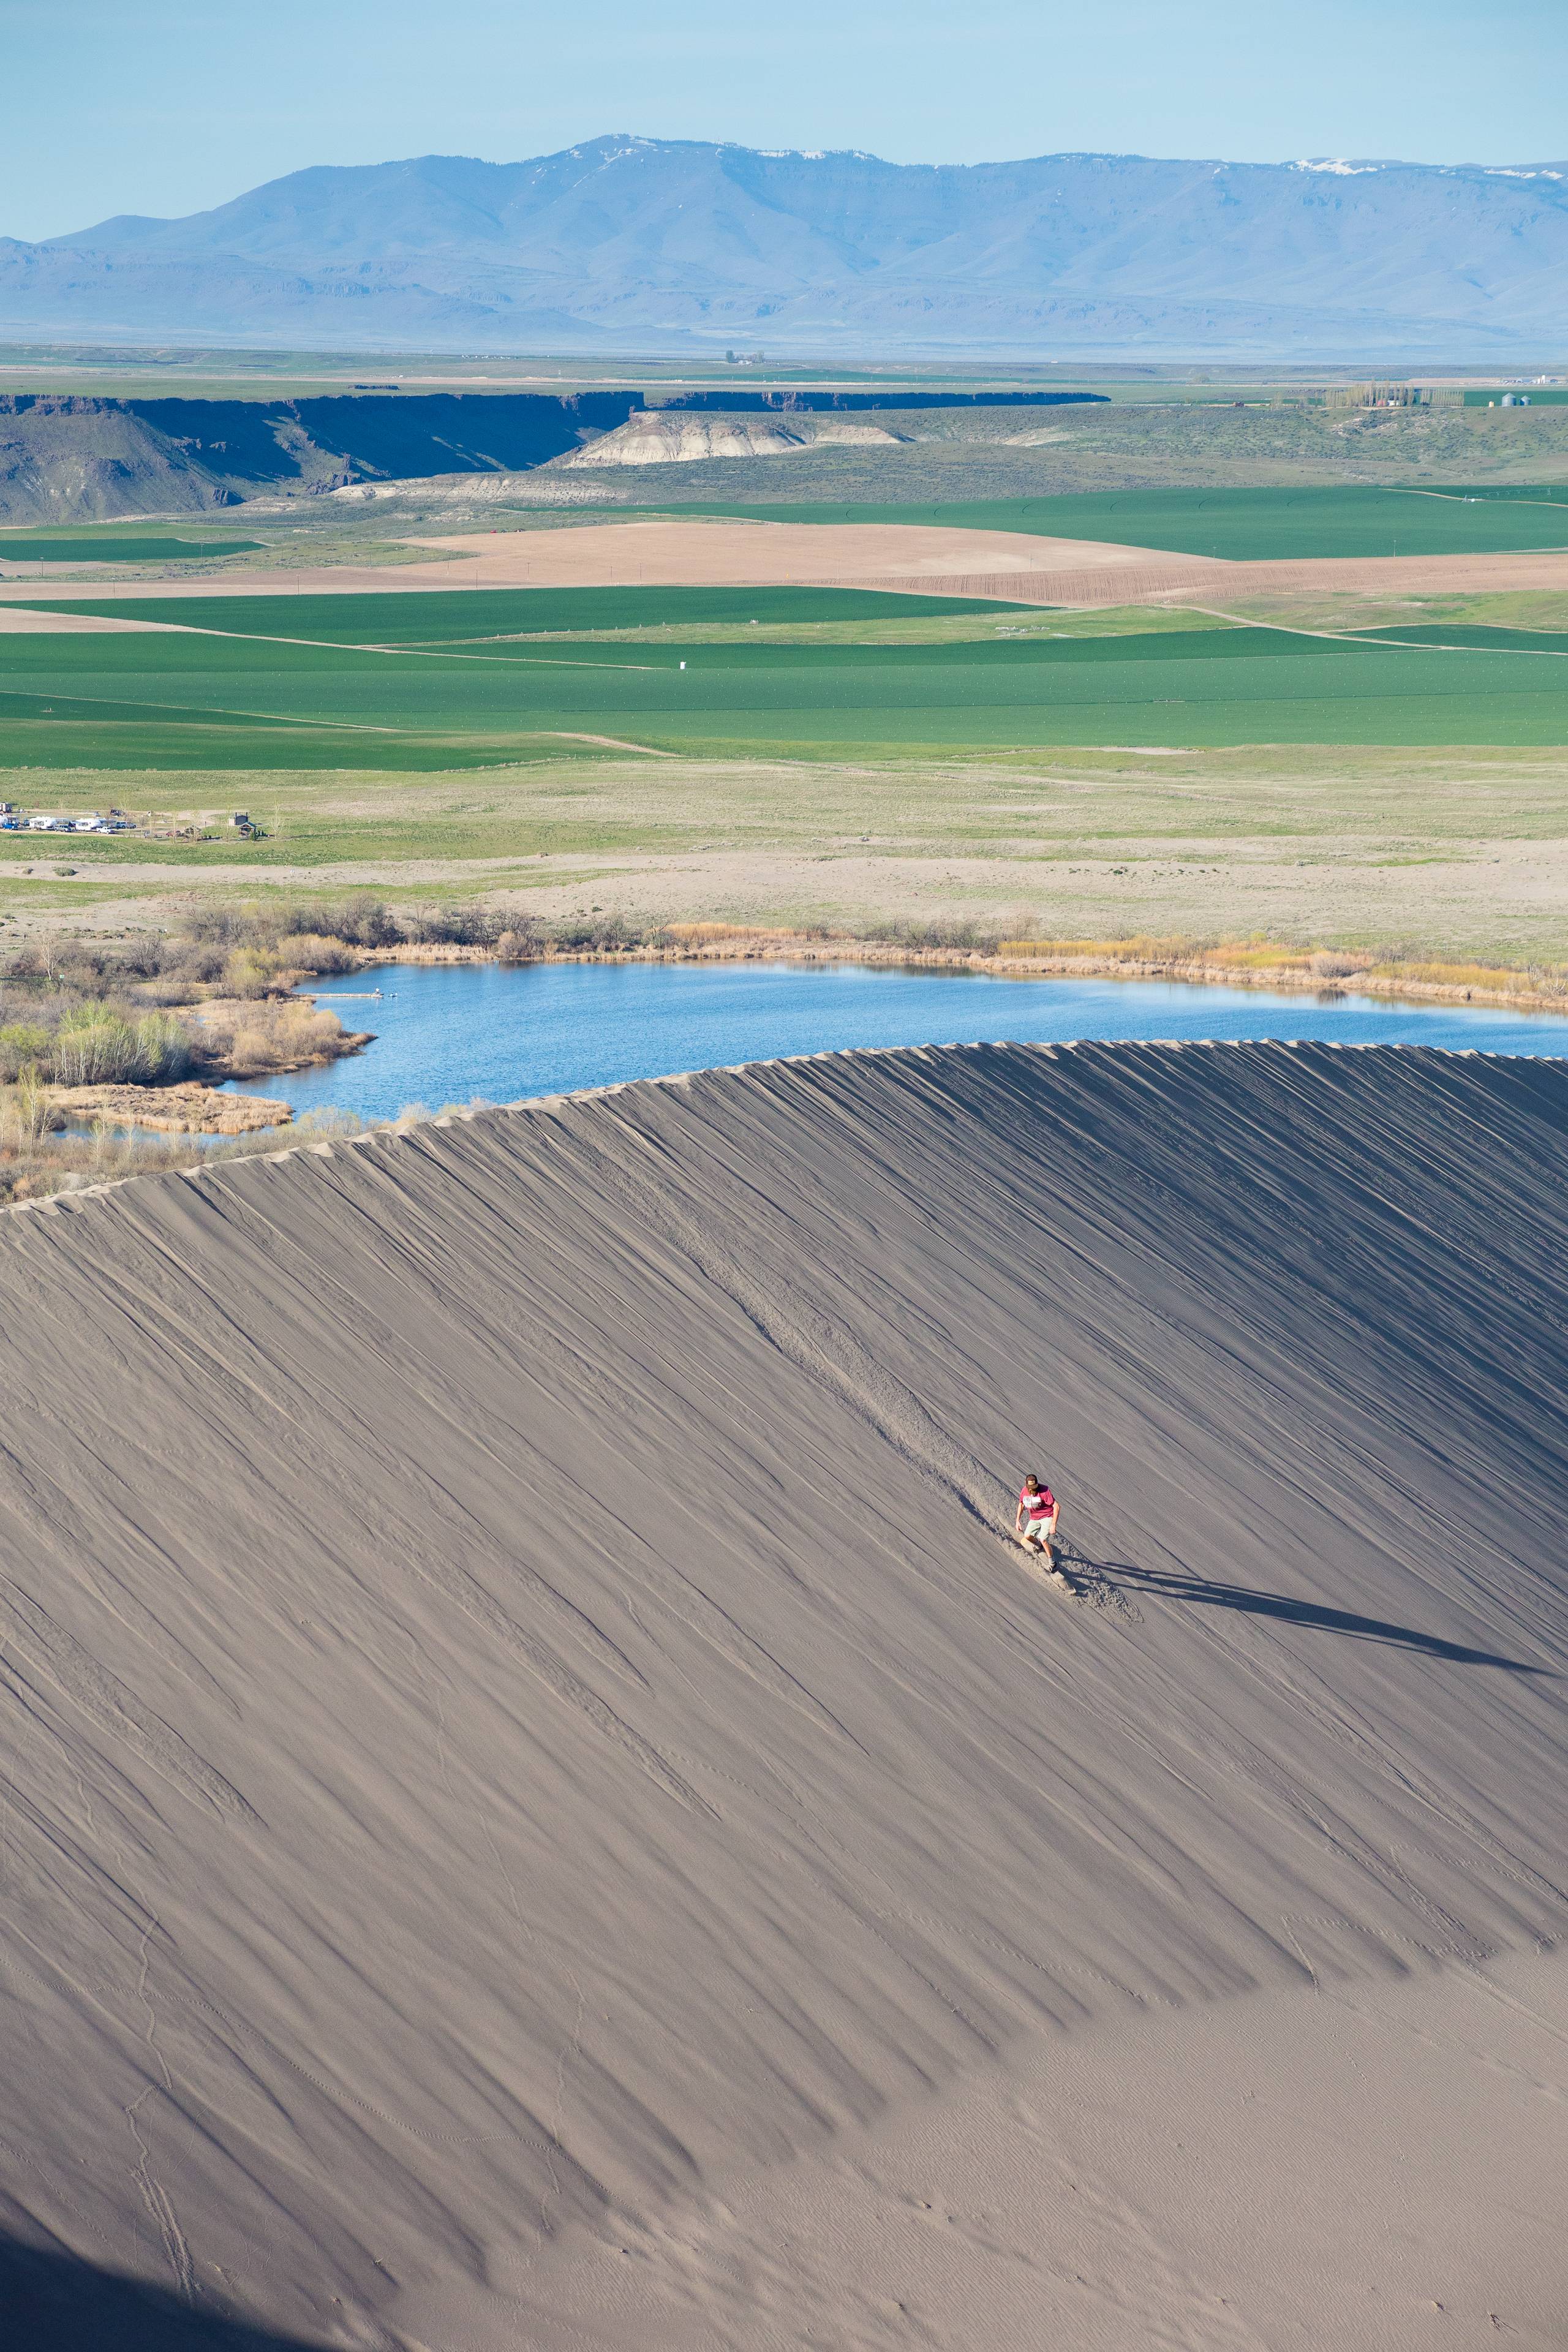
[(263, 701), (1480, 637), (1539, 395), (1245, 525), (470, 615), (100, 547)]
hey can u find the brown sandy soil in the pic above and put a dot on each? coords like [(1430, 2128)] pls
[(912, 558), (542, 1796), (1010, 564), (19, 622), (191, 1109), (1534, 569), (718, 552), (902, 556), (1461, 895)]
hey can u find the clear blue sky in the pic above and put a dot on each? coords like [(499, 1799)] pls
[(167, 106)]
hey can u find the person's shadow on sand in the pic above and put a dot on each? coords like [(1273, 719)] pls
[(1120, 1574), (55, 2303)]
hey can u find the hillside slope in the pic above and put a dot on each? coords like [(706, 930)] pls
[(522, 1707), (70, 459), (66, 459), (74, 460), (669, 242)]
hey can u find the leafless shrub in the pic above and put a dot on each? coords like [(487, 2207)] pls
[(596, 935), (966, 938), (522, 942), (312, 951), (25, 1114), (361, 921), (466, 926)]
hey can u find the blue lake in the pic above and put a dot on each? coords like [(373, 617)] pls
[(448, 1033)]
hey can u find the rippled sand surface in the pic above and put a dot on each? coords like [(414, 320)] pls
[(542, 1807)]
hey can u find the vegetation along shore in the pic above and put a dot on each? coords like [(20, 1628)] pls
[(113, 1048)]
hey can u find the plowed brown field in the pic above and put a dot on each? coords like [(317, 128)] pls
[(907, 558)]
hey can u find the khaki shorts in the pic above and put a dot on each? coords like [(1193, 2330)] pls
[(1045, 1529)]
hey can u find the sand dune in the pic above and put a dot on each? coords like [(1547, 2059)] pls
[(535, 1785)]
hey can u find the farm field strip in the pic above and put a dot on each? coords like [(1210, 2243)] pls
[(54, 547), (463, 615), (926, 568), (1470, 638), (410, 653), (1232, 525), (96, 700), (1431, 637), (1524, 497)]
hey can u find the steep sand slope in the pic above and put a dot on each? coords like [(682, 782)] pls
[(520, 1718)]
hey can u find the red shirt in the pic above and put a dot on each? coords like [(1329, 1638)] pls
[(1040, 1505)]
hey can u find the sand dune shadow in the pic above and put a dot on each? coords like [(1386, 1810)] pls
[(55, 2303)]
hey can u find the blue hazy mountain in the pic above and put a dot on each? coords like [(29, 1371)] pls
[(652, 244)]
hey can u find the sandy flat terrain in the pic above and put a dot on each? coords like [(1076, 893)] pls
[(542, 1807), (1315, 844), (1483, 890), (910, 558), (1370, 2165), (18, 622), (907, 556), (716, 552), (1400, 576)]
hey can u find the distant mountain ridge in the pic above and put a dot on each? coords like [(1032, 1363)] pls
[(628, 244)]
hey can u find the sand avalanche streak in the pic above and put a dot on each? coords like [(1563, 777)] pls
[(522, 1717)]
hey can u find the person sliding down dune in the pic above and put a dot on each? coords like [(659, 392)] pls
[(1035, 1523)]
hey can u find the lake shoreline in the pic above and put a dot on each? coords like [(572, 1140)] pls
[(1291, 975), (460, 1024)]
